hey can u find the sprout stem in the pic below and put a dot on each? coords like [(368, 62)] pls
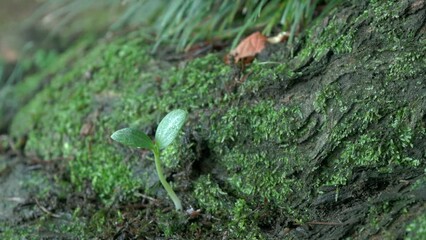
[(166, 185)]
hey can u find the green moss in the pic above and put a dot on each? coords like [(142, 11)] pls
[(46, 227), (70, 228), (60, 113), (210, 196), (406, 66), (179, 154), (170, 223), (261, 175), (170, 156), (335, 37), (329, 93), (392, 37), (252, 124), (243, 224), (338, 38), (416, 230), (196, 85), (384, 10), (16, 233), (382, 149), (260, 74), (39, 183), (116, 85), (263, 169)]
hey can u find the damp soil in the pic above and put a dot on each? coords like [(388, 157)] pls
[(12, 174)]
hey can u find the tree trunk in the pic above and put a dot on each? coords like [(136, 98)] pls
[(359, 82)]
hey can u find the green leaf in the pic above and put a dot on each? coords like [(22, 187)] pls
[(169, 127), (133, 138)]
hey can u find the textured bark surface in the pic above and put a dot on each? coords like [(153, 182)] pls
[(385, 73)]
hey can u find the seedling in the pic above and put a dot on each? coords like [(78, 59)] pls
[(167, 131)]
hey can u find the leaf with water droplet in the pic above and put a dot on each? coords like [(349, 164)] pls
[(169, 127)]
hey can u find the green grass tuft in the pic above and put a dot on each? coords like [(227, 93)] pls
[(184, 23)]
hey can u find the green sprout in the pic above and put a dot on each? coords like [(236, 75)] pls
[(167, 131)]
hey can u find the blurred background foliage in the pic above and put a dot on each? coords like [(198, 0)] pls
[(182, 22), (50, 26)]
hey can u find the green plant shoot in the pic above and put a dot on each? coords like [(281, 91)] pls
[(166, 133)]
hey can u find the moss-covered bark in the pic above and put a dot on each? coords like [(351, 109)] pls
[(322, 140)]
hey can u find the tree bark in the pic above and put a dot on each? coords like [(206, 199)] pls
[(362, 89)]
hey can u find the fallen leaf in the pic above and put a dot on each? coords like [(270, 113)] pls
[(249, 47)]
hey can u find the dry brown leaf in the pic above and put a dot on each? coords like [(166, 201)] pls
[(249, 47)]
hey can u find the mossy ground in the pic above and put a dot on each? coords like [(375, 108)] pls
[(259, 157)]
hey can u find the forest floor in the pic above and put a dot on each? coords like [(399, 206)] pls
[(323, 139)]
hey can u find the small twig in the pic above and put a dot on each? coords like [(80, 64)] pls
[(35, 160), (146, 196), (15, 199), (320, 223), (43, 209), (124, 228), (244, 77), (325, 223)]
